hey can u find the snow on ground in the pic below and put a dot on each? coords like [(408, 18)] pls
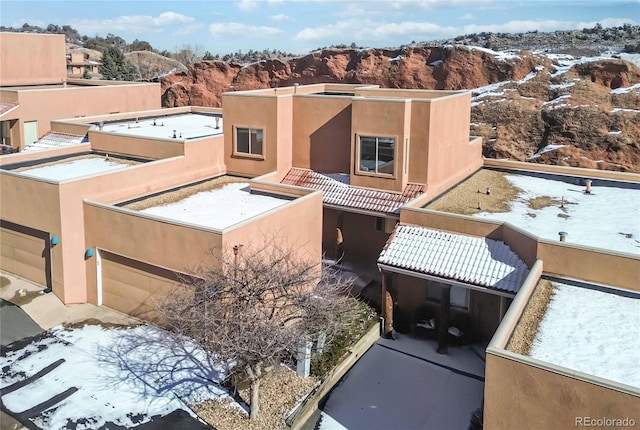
[(500, 55), (556, 103), (632, 58), (614, 110), (591, 331), (219, 208), (563, 85), (623, 90), (74, 169), (547, 148), (328, 423), (606, 218), (123, 375)]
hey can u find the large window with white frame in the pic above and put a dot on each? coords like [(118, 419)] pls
[(376, 154), (249, 141)]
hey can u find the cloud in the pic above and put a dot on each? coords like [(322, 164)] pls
[(133, 23), (248, 5), (522, 26), (238, 29), (280, 17), (363, 30), (468, 16)]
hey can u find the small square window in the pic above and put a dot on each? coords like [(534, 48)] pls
[(376, 154), (249, 141)]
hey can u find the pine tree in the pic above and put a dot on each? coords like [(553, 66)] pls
[(115, 66)]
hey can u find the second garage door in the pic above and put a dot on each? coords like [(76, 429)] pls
[(132, 286)]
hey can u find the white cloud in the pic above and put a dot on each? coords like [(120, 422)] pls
[(132, 23), (238, 29), (468, 16), (248, 5), (363, 30), (280, 17), (542, 25)]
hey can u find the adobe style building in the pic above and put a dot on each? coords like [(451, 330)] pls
[(35, 89), (78, 64), (112, 208)]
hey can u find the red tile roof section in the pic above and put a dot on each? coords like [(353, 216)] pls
[(337, 193), (7, 106)]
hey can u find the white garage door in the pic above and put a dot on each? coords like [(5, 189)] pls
[(23, 255), (30, 132), (131, 286)]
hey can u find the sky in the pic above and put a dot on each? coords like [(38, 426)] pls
[(300, 26)]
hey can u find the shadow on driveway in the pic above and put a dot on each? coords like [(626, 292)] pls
[(15, 323)]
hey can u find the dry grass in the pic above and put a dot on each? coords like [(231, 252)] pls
[(183, 193), (527, 328), (470, 197), (542, 202), (280, 391), (80, 157)]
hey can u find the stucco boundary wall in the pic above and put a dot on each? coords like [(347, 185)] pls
[(527, 393), (562, 170), (21, 157), (303, 411), (562, 259)]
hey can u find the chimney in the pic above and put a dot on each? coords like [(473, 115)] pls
[(563, 236), (587, 190)]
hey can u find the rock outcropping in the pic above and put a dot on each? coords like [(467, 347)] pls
[(529, 107)]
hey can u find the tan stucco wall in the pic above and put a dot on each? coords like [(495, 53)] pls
[(155, 149), (254, 112), (379, 118), (322, 133), (521, 396), (34, 204), (29, 59), (285, 135), (45, 105)]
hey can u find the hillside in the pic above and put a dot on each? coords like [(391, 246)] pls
[(537, 107)]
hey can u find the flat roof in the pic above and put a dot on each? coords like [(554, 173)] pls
[(604, 218), (219, 208), (186, 126), (73, 167), (592, 330)]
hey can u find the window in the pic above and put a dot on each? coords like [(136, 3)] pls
[(380, 224), (249, 141), (459, 297), (377, 154)]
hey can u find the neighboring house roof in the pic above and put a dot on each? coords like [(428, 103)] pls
[(337, 191), (471, 260), (54, 140), (6, 107)]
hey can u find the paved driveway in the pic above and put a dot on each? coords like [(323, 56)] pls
[(405, 385), (15, 324)]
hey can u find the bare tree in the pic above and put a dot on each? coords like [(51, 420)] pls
[(252, 307), (189, 54)]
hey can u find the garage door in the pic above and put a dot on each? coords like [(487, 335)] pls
[(24, 255), (131, 286), (30, 132)]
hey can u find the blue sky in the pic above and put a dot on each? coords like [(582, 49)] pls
[(299, 26)]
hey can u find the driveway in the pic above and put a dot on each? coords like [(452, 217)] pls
[(93, 376), (404, 384), (15, 323)]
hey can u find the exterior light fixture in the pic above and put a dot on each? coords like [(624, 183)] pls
[(55, 240), (89, 253)]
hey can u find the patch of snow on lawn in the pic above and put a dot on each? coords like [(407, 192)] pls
[(624, 90), (123, 375), (219, 208), (607, 218), (591, 331), (74, 169), (547, 148)]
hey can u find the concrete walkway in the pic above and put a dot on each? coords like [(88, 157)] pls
[(48, 311)]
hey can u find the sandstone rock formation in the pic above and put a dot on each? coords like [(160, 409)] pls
[(528, 107)]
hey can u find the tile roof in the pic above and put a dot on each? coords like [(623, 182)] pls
[(54, 140), (337, 191), (471, 260), (7, 106)]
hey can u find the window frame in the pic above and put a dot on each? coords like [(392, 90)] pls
[(242, 154), (375, 172)]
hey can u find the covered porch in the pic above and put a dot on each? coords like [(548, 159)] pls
[(449, 287)]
